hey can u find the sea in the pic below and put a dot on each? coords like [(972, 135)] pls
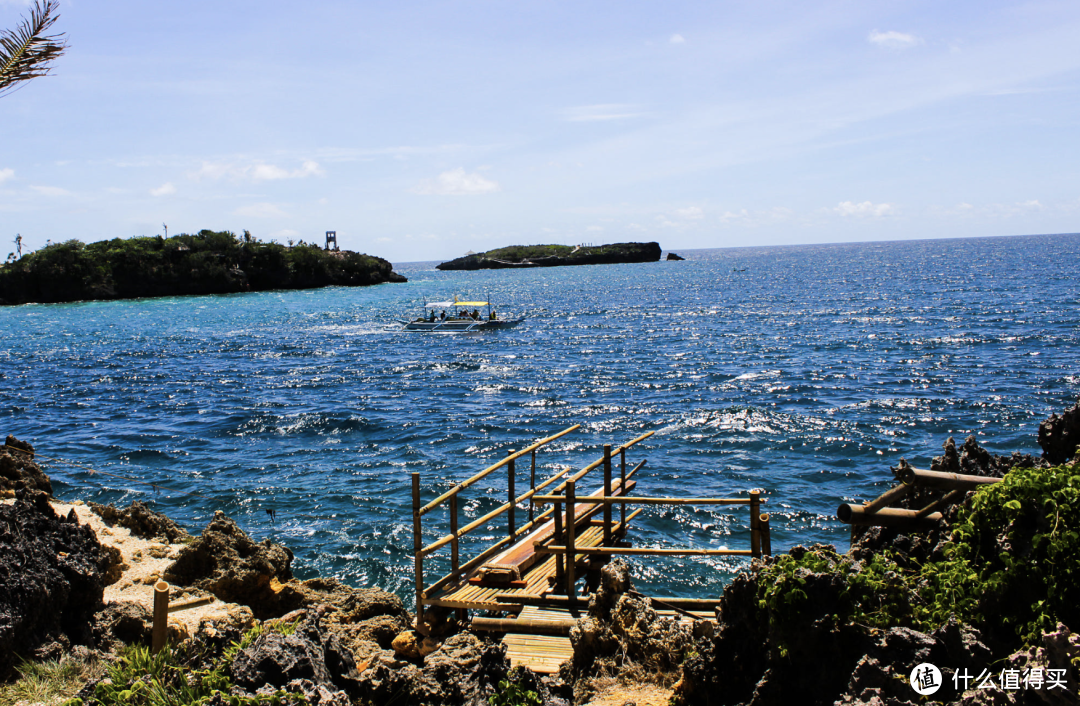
[(806, 371)]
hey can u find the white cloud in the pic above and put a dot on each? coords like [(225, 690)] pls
[(1031, 204), (850, 208), (691, 213), (256, 172), (6, 174), (603, 111), (893, 40), (163, 190), (677, 39), (261, 210), (457, 182), (51, 190)]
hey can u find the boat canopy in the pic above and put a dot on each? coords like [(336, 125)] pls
[(447, 305)]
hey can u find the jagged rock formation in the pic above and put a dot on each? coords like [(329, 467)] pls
[(1059, 436), (518, 256), (18, 470), (675, 256), (623, 634), (310, 653), (823, 661), (142, 521), (52, 576), (225, 561)]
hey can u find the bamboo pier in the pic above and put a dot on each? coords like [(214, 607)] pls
[(530, 574)]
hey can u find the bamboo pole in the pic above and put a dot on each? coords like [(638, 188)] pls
[(493, 514), (523, 626), (481, 557), (766, 536), (888, 497), (578, 476), (622, 483), (569, 548), (607, 493), (161, 617), (626, 500), (454, 556), (755, 531), (418, 554), (490, 469), (532, 485), (942, 502), (940, 479), (641, 551), (560, 576), (510, 494), (887, 517), (559, 601), (193, 603)]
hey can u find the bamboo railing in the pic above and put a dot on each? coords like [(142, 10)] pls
[(459, 570), (567, 552), (880, 513)]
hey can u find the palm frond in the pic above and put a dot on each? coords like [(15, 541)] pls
[(25, 52)]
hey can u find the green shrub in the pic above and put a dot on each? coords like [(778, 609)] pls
[(512, 692), (140, 678), (1011, 562)]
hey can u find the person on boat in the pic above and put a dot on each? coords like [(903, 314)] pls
[(476, 314), (431, 319), (442, 316), (491, 316)]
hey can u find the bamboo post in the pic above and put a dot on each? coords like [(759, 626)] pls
[(418, 554), (941, 479), (454, 531), (622, 484), (607, 494), (755, 532), (161, 616), (766, 537), (510, 494), (570, 553), (888, 517), (532, 484), (559, 572)]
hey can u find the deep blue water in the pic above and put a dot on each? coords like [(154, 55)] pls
[(805, 370)]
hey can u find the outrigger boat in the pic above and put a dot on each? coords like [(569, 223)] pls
[(456, 317)]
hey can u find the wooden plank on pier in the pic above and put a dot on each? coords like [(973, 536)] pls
[(520, 557)]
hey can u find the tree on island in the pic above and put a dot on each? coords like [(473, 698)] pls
[(26, 51)]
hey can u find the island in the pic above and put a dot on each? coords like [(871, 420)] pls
[(209, 262), (555, 256)]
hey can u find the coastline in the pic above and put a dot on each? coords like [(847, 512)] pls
[(370, 654)]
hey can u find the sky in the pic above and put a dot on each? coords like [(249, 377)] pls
[(422, 130)]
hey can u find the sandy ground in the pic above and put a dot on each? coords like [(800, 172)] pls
[(145, 561), (638, 695)]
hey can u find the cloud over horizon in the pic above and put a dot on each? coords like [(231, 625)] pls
[(866, 208), (893, 40), (258, 171), (457, 182)]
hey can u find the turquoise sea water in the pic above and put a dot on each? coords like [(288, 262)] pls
[(806, 371)]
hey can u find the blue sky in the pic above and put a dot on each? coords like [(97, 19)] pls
[(421, 130)]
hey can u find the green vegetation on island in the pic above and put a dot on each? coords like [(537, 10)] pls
[(208, 262), (555, 256)]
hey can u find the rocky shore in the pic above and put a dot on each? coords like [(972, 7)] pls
[(207, 262), (520, 256), (993, 590)]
